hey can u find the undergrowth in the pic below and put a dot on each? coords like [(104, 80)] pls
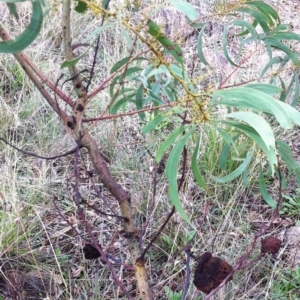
[(41, 254)]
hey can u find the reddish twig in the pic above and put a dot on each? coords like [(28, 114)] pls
[(239, 66), (111, 76), (101, 118)]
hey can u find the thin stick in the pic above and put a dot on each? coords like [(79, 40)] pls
[(35, 155)]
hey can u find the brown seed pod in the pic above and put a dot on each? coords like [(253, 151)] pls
[(270, 245), (210, 272)]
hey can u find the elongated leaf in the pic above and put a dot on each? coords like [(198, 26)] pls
[(269, 89), (143, 78), (291, 84), (171, 173), (200, 46), (250, 98), (286, 91), (270, 41), (224, 44), (226, 137), (225, 153), (123, 62), (295, 99), (245, 178), (195, 167), (153, 124), (186, 8), (280, 27), (126, 36), (168, 142), (266, 8), (119, 64), (98, 31), (250, 132), (139, 100), (179, 71), (286, 36), (287, 156), (23, 40), (283, 94), (259, 17), (249, 27), (162, 69), (116, 106), (270, 20), (237, 172), (118, 79), (154, 95), (156, 31), (223, 157), (263, 190), (261, 126), (273, 61), (13, 10), (291, 111), (194, 24), (72, 62), (244, 33)]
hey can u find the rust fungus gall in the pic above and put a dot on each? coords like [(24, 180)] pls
[(79, 107), (170, 47), (270, 245), (210, 272)]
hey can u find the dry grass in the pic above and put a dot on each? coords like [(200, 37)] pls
[(42, 255)]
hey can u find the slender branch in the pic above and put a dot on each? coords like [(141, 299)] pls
[(35, 155), (100, 211), (171, 213), (96, 49), (5, 36), (237, 68), (131, 113), (188, 271), (113, 75)]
